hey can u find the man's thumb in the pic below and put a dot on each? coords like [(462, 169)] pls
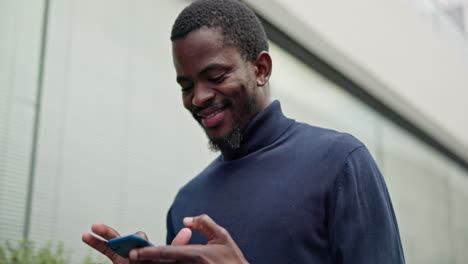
[(142, 234)]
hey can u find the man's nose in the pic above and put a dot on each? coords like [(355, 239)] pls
[(202, 95)]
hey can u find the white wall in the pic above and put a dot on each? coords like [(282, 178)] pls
[(20, 35)]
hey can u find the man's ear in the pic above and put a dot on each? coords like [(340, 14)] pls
[(263, 67)]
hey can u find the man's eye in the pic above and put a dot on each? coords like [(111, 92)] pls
[(217, 79)]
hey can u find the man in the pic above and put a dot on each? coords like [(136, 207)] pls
[(281, 191)]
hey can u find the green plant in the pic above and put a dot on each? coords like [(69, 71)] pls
[(25, 252), (88, 259)]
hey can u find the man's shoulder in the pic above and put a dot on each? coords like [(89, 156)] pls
[(316, 138)]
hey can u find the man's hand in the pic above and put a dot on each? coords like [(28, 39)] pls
[(108, 233), (221, 248)]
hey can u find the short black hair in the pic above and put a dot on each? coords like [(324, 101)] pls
[(238, 23)]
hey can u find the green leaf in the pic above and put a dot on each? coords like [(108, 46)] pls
[(25, 252)]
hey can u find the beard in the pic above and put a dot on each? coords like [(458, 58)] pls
[(232, 141)]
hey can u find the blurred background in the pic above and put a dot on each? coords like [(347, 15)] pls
[(92, 127)]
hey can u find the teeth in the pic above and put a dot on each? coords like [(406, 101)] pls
[(213, 114)]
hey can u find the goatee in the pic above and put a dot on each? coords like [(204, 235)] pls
[(233, 140)]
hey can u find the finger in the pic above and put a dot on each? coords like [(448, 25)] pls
[(182, 238), (167, 253), (99, 245), (142, 234), (104, 231), (207, 227)]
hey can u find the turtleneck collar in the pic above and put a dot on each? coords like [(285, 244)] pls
[(261, 131)]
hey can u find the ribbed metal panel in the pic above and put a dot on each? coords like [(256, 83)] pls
[(19, 45)]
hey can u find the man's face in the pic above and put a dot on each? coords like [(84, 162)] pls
[(218, 85)]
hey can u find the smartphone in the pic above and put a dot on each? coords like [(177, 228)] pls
[(123, 245)]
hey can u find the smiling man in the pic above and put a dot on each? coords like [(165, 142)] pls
[(280, 191)]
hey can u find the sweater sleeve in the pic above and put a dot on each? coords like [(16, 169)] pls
[(170, 235), (362, 224)]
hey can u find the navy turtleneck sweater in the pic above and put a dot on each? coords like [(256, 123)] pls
[(295, 193)]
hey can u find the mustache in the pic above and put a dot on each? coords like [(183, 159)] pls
[(225, 102)]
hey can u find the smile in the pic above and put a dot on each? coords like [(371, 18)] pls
[(212, 117), (215, 113)]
